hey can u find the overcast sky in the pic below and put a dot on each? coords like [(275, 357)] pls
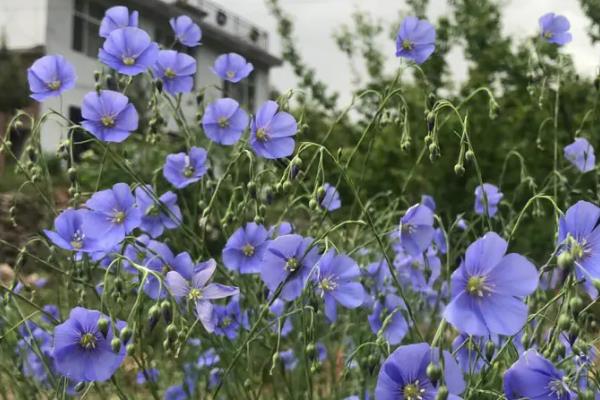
[(316, 20)]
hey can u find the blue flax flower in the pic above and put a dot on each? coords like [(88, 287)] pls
[(272, 131), (488, 289), (232, 67), (330, 200), (129, 50), (278, 309), (534, 377), (428, 201), (581, 154), (147, 375), (224, 121), (71, 232), (176, 392), (176, 70), (288, 259), (50, 76), (117, 17), (245, 248), (336, 280), (555, 29), (200, 292), (403, 375), (416, 229), (579, 240), (83, 353), (415, 39), (230, 319), (289, 359), (493, 196), (186, 31), (388, 310), (113, 214), (183, 169), (160, 259), (108, 115), (157, 215)]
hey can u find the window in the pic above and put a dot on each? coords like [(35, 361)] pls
[(86, 25), (79, 136), (244, 92)]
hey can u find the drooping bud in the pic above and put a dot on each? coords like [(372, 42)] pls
[(172, 332), (126, 334), (490, 349), (434, 372), (115, 344), (167, 313), (103, 326), (442, 393), (564, 321)]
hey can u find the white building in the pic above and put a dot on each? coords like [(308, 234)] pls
[(71, 29)]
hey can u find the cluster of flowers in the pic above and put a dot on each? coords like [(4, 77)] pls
[(484, 299)]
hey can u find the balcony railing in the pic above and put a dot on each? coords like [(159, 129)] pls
[(229, 22)]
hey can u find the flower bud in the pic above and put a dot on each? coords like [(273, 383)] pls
[(172, 332), (130, 349), (165, 308), (470, 155), (158, 84), (103, 326), (442, 393), (115, 344), (564, 260), (490, 349), (79, 387), (434, 372), (310, 350), (313, 204), (576, 304), (564, 321), (126, 334), (459, 169)]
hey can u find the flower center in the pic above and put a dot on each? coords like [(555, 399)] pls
[(153, 211), (88, 341), (54, 85), (169, 73), (119, 217), (291, 265), (226, 322), (327, 284), (413, 391), (407, 229), (223, 122), (248, 250), (261, 135), (77, 240), (230, 74), (407, 45), (128, 60), (476, 286), (195, 294), (558, 387), (108, 121), (188, 171), (548, 35)]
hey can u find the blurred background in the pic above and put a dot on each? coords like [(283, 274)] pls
[(328, 51)]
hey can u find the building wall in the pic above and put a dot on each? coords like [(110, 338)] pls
[(59, 39)]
